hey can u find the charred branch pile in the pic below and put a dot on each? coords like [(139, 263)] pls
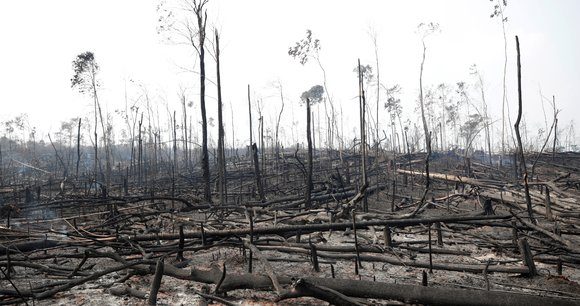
[(470, 241)]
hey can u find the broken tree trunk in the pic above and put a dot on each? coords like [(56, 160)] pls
[(308, 195), (379, 290), (257, 173), (221, 133), (308, 228), (519, 138)]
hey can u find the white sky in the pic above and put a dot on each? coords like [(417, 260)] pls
[(41, 38)]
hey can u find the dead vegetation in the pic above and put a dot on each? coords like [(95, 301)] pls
[(470, 242)]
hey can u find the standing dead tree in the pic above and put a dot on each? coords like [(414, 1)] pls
[(197, 8), (78, 148), (363, 144), (519, 138), (187, 161), (373, 35), (221, 132), (279, 85), (85, 79), (310, 166), (425, 30), (312, 96), (250, 118)]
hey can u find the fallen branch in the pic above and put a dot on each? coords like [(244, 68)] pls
[(308, 228)]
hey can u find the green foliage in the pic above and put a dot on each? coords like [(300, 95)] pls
[(393, 104), (314, 94), (85, 70), (462, 91), (498, 11), (470, 127), (305, 48), (166, 19), (366, 71), (426, 29)]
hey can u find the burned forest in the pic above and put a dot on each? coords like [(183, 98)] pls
[(307, 190)]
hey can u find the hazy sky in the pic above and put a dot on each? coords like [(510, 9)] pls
[(41, 38)]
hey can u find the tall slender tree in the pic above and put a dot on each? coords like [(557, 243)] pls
[(362, 121), (474, 71), (425, 30), (85, 80), (313, 95), (197, 41), (498, 11), (303, 50), (221, 132), (519, 138)]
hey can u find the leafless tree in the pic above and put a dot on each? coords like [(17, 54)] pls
[(425, 30)]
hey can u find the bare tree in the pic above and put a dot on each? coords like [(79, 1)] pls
[(250, 118), (425, 30), (362, 117), (279, 85), (221, 132), (197, 8), (519, 138), (373, 35)]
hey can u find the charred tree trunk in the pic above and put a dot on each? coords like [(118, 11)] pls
[(140, 156), (185, 136), (175, 163), (221, 144), (555, 137), (250, 113), (278, 128), (201, 22), (519, 138), (363, 151), (310, 166), (425, 128), (96, 165), (257, 173), (78, 148)]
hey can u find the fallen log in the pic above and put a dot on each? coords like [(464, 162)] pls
[(309, 228), (376, 290), (27, 246), (471, 268), (301, 288), (567, 244), (369, 248), (453, 178)]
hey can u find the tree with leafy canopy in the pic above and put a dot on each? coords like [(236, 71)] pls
[(304, 50), (498, 12), (486, 120), (443, 93), (395, 109), (85, 81), (314, 95)]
